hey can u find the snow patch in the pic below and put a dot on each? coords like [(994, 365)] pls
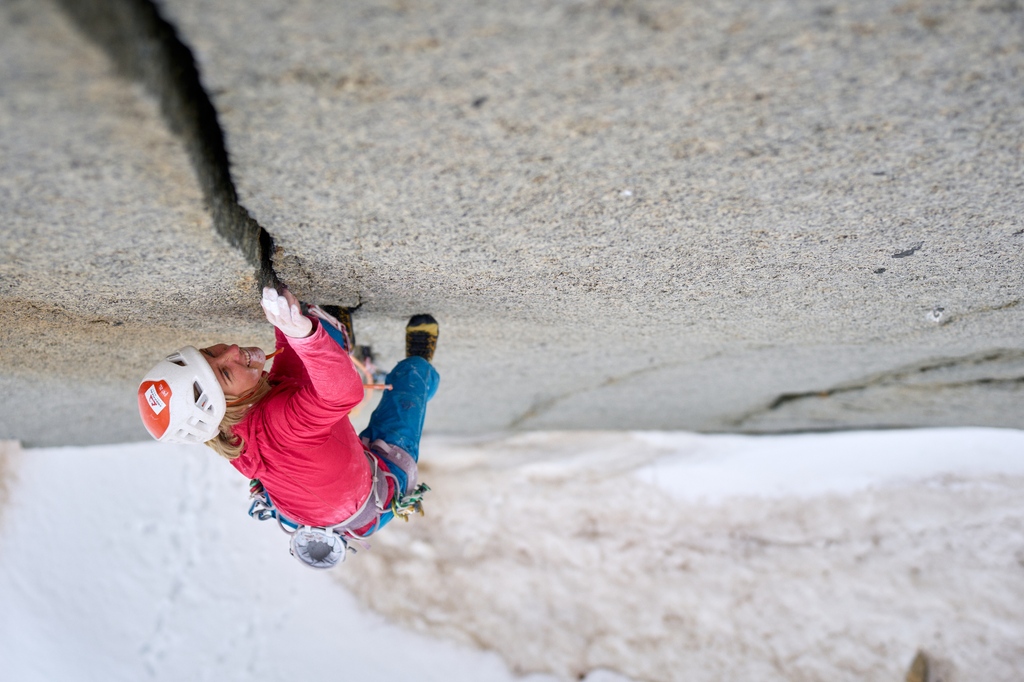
[(714, 469), (138, 562), (8, 449), (687, 557), (606, 557)]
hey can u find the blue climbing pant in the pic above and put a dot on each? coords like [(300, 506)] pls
[(398, 419)]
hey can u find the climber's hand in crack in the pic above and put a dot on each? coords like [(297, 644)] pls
[(283, 312)]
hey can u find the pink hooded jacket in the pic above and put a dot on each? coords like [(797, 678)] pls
[(298, 438)]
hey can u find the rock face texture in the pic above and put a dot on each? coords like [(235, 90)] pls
[(108, 253), (713, 215)]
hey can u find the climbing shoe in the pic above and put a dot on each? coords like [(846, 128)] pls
[(421, 337)]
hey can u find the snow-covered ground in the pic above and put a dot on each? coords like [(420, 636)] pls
[(602, 556)]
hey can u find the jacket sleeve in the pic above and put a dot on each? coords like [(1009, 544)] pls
[(287, 364), (332, 390)]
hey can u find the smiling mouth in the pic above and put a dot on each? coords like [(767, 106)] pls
[(248, 357)]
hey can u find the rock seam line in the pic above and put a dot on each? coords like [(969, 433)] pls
[(146, 48), (897, 377)]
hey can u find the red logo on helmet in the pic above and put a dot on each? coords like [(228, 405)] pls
[(154, 400)]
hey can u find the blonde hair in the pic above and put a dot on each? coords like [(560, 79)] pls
[(226, 444)]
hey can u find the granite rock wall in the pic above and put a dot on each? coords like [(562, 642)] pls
[(714, 215)]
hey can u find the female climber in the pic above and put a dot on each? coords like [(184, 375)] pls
[(289, 430)]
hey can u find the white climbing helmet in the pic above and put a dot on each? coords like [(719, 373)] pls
[(180, 400)]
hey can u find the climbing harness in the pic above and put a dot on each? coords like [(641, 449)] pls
[(409, 500), (326, 546)]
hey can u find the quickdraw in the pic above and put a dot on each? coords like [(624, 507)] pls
[(411, 503)]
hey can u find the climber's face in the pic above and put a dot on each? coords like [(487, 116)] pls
[(238, 369)]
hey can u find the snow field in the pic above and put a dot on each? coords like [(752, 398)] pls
[(685, 557), (602, 556), (7, 450), (138, 562)]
